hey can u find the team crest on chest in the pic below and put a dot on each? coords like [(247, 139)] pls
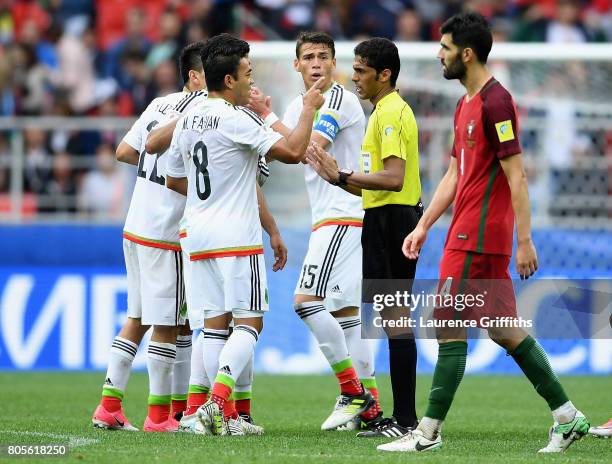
[(470, 134)]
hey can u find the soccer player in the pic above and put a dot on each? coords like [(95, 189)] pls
[(328, 291), (390, 187), (487, 182), (209, 343), (214, 162), (154, 267)]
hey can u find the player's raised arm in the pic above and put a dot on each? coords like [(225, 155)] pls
[(526, 257), (292, 149), (269, 225), (262, 105)]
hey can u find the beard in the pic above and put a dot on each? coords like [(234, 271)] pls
[(455, 70)]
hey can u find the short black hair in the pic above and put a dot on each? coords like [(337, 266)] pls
[(191, 58), (380, 53), (314, 38), (221, 56), (470, 30)]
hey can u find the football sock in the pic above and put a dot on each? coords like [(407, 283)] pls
[(214, 341), (430, 427), (197, 397), (361, 354), (564, 413), (199, 385), (370, 384), (242, 390), (243, 402), (447, 377), (180, 374), (332, 343), (402, 367), (233, 358), (229, 409), (532, 360), (160, 362), (347, 377), (120, 360)]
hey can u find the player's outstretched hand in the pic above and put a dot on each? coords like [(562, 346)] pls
[(313, 98), (414, 242), (322, 162), (260, 103), (526, 259), (280, 252)]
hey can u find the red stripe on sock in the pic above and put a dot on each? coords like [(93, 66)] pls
[(111, 404), (159, 413), (349, 382), (194, 401), (229, 410), (178, 406), (243, 407), (220, 394)]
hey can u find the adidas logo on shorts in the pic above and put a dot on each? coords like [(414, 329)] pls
[(226, 370), (336, 289)]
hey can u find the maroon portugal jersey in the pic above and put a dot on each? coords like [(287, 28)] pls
[(486, 130)]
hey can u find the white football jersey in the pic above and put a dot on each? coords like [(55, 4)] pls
[(217, 146), (341, 121), (155, 211)]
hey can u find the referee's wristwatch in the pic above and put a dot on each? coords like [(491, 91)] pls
[(343, 175)]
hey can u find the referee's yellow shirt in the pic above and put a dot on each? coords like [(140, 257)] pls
[(392, 131)]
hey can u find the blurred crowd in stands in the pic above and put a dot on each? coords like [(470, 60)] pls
[(112, 57)]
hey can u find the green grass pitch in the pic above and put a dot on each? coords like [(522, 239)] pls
[(494, 419)]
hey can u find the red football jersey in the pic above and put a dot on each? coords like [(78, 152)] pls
[(486, 130)]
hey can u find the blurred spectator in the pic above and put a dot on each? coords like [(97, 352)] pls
[(101, 192), (76, 73), (165, 79), (7, 25), (7, 93), (5, 161), (376, 18), (135, 41), (29, 81), (138, 75), (408, 26), (567, 26), (169, 39), (37, 161), (45, 50), (61, 189)]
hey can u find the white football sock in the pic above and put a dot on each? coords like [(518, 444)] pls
[(214, 341), (182, 367), (326, 330), (244, 382), (564, 413), (198, 375), (120, 360), (359, 348), (160, 362), (237, 352), (430, 427)]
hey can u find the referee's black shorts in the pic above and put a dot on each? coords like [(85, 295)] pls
[(382, 237)]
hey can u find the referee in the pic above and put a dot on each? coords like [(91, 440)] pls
[(390, 187)]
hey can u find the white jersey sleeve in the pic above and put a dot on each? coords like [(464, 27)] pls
[(251, 133), (175, 164)]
